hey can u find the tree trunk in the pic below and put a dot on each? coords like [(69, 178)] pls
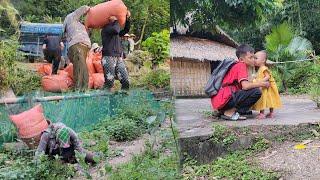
[(284, 84), (142, 31)]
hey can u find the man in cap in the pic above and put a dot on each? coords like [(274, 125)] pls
[(131, 42), (125, 44), (78, 46), (58, 139)]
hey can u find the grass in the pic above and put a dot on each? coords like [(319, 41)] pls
[(232, 166), (154, 163), (222, 135)]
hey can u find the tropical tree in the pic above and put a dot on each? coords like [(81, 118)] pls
[(282, 45), (205, 14), (158, 46)]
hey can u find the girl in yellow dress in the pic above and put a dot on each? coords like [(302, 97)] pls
[(270, 97)]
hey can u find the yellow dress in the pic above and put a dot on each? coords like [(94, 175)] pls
[(270, 97)]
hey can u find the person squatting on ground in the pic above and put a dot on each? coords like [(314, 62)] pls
[(58, 139), (78, 46), (237, 94), (52, 48), (113, 64), (270, 97)]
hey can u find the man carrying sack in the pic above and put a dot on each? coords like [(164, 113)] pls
[(78, 46), (113, 64)]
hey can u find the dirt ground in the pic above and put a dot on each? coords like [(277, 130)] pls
[(292, 164)]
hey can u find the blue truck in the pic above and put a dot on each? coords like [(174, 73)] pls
[(32, 36)]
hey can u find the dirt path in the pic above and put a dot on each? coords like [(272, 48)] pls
[(291, 163)]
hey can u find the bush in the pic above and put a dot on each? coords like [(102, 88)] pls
[(300, 80), (22, 166), (8, 55), (25, 81), (122, 129), (157, 79), (158, 46)]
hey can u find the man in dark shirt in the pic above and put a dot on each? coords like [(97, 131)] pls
[(113, 64), (52, 48)]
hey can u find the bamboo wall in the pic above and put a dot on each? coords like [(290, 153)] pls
[(188, 77)]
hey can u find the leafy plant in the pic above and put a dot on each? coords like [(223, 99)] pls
[(157, 79), (8, 55), (22, 166), (283, 46), (123, 129), (222, 135), (96, 140), (158, 46), (25, 81), (315, 91)]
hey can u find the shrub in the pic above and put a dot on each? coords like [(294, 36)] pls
[(157, 79), (122, 129), (300, 80), (25, 81), (158, 46), (18, 166), (8, 49)]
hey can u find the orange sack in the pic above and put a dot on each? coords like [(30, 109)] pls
[(30, 123), (90, 84), (45, 69), (98, 80), (63, 73), (56, 83), (98, 66), (69, 70), (90, 65), (98, 16)]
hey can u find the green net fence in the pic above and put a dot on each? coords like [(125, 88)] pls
[(78, 110)]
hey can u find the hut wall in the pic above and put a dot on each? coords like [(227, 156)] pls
[(188, 77)]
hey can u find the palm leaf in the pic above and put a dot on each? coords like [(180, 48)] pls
[(299, 47), (280, 35)]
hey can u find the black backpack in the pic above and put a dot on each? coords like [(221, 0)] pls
[(215, 81)]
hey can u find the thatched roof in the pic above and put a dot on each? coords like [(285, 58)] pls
[(192, 48)]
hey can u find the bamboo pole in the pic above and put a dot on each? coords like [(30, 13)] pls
[(18, 100)]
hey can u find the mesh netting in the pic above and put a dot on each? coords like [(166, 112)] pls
[(77, 110)]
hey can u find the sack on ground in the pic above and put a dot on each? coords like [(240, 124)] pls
[(98, 16), (98, 80), (45, 69), (30, 123), (69, 70), (98, 66), (56, 83), (89, 62), (90, 84)]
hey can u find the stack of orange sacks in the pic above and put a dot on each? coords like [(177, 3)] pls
[(63, 81)]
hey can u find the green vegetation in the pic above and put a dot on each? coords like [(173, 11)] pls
[(157, 162), (223, 135), (235, 165), (158, 46), (20, 165)]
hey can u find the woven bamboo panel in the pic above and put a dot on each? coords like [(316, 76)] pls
[(188, 78)]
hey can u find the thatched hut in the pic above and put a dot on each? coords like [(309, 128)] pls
[(193, 57)]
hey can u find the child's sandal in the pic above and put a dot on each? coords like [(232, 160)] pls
[(261, 116)]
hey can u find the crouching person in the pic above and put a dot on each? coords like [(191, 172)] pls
[(58, 139)]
